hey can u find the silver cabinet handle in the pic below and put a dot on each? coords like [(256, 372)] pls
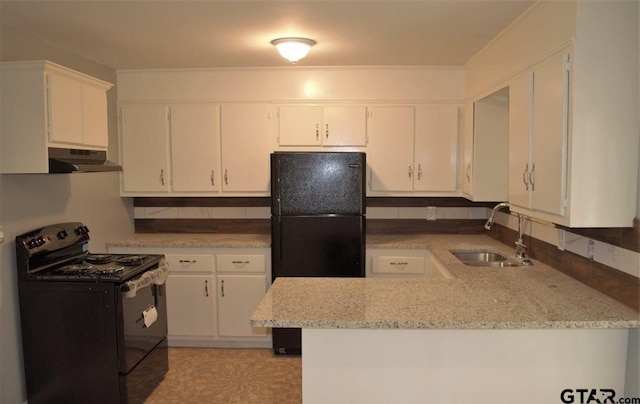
[(532, 176), (226, 177), (213, 181), (162, 176), (240, 262), (187, 261), (222, 288), (410, 171), (399, 263), (317, 132), (206, 288), (419, 171), (326, 132), (525, 176)]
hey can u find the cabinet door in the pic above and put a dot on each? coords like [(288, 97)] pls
[(64, 96), (466, 185), (191, 305), (344, 126), (238, 298), (195, 150), (94, 117), (550, 135), (245, 148), (519, 140), (144, 148), (390, 150), (300, 126), (436, 149)]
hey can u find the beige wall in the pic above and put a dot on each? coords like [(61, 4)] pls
[(30, 201)]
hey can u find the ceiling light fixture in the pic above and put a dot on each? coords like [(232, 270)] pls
[(293, 49)]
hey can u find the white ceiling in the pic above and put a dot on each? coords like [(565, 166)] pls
[(185, 34)]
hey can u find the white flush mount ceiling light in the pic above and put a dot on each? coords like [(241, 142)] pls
[(293, 49)]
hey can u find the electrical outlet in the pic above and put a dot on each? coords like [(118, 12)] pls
[(591, 249), (431, 213)]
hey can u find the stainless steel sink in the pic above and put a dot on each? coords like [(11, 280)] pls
[(483, 259)]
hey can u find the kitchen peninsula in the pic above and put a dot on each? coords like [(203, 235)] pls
[(517, 334)]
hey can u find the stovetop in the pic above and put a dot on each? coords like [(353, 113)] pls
[(99, 268)]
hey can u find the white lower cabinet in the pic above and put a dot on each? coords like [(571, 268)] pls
[(191, 306), (212, 293), (401, 263), (242, 283), (238, 298)]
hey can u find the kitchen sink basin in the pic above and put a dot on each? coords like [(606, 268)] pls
[(483, 259)]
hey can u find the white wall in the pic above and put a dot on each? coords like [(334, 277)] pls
[(30, 201)]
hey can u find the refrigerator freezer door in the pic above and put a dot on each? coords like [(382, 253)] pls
[(318, 183), (323, 246)]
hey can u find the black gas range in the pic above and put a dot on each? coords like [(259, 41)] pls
[(94, 326)]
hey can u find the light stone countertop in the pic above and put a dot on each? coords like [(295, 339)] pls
[(193, 240), (536, 297)]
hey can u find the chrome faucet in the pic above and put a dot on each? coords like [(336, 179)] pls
[(496, 208), (521, 248)]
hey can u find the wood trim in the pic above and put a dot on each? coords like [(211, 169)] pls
[(395, 202), (616, 284), (405, 202), (204, 202), (624, 237), (414, 226), (233, 226)]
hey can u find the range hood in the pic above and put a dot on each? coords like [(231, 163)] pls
[(79, 161)]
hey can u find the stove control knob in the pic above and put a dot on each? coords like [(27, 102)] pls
[(62, 234), (40, 241), (32, 243), (82, 230)]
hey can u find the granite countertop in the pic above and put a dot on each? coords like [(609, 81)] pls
[(477, 298), (191, 240)]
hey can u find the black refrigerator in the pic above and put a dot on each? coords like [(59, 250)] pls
[(317, 221)]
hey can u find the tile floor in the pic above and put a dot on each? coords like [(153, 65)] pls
[(212, 375)]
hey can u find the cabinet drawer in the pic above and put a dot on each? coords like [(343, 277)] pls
[(397, 265), (241, 263), (190, 263)]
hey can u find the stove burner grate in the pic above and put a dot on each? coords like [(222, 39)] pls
[(99, 258), (132, 260)]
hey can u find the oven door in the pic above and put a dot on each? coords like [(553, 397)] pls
[(144, 324)]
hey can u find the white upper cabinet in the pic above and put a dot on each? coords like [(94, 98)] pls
[(390, 150), (145, 148), (195, 148), (44, 105), (538, 137), (413, 148), (485, 142), (245, 148), (436, 148), (322, 126)]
